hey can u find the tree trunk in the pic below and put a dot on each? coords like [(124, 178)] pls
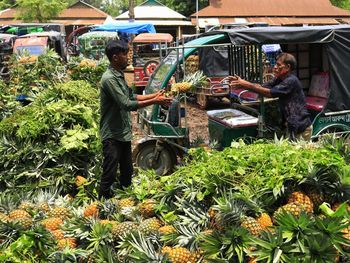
[(131, 10)]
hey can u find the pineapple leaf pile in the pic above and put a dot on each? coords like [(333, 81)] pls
[(50, 141)]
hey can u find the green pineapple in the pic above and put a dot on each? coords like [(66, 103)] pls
[(150, 225), (123, 229)]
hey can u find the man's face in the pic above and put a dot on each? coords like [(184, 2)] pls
[(281, 69), (120, 60)]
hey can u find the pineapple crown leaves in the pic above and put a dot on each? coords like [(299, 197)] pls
[(333, 229), (294, 226), (269, 247), (229, 245), (196, 79), (188, 236), (100, 235), (141, 249), (68, 255), (327, 180), (192, 214), (107, 209)]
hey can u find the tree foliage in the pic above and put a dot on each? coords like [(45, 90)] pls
[(345, 4), (39, 10)]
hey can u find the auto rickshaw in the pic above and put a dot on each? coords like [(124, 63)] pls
[(149, 50), (322, 55)]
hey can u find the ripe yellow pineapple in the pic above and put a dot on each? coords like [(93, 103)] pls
[(58, 234), (70, 242), (61, 212), (26, 205), (167, 229), (109, 222), (52, 223), (25, 222), (264, 220), (150, 225), (303, 200), (181, 87), (4, 217), (43, 206), (80, 180), (18, 213), (251, 225), (147, 207), (293, 208), (91, 210), (178, 254), (126, 202)]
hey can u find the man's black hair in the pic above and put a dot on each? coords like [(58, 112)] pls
[(115, 46), (288, 59)]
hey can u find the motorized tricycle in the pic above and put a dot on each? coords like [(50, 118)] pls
[(322, 53), (148, 50)]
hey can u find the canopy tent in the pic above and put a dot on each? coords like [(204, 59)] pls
[(153, 38), (336, 40), (130, 28)]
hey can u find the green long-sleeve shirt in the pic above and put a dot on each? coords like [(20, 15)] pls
[(116, 102)]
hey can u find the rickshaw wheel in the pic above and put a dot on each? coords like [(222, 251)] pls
[(202, 100), (145, 158), (149, 67)]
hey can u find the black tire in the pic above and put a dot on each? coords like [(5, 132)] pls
[(164, 164), (149, 67)]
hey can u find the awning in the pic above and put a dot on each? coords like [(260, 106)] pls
[(153, 38), (281, 21), (131, 28)]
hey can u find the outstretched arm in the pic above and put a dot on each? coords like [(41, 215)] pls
[(237, 82)]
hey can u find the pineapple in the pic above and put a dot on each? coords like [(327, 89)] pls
[(91, 210), (167, 229), (147, 207), (52, 223), (178, 254), (150, 225), (252, 225), (293, 208), (80, 180), (70, 242), (264, 220), (26, 205), (18, 213), (60, 212), (126, 202), (123, 229), (189, 83), (58, 234), (303, 200), (24, 222), (109, 222), (4, 217)]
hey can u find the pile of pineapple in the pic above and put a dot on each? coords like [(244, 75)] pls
[(192, 64), (189, 83), (199, 214)]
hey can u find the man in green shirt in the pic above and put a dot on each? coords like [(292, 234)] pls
[(116, 102)]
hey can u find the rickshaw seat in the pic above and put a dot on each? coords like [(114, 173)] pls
[(317, 95), (244, 95), (315, 103)]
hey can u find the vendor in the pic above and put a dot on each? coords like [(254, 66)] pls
[(288, 88)]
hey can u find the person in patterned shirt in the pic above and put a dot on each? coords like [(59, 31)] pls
[(289, 90)]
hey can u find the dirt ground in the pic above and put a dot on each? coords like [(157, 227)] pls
[(197, 119)]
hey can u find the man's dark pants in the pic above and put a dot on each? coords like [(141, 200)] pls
[(115, 153)]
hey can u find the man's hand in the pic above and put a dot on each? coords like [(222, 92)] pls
[(237, 82), (163, 100)]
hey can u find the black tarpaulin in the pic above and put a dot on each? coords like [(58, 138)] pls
[(211, 61), (335, 38)]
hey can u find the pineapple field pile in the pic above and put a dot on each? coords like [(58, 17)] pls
[(269, 201)]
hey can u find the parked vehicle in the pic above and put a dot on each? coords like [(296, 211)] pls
[(148, 50), (36, 43), (322, 55), (92, 44)]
